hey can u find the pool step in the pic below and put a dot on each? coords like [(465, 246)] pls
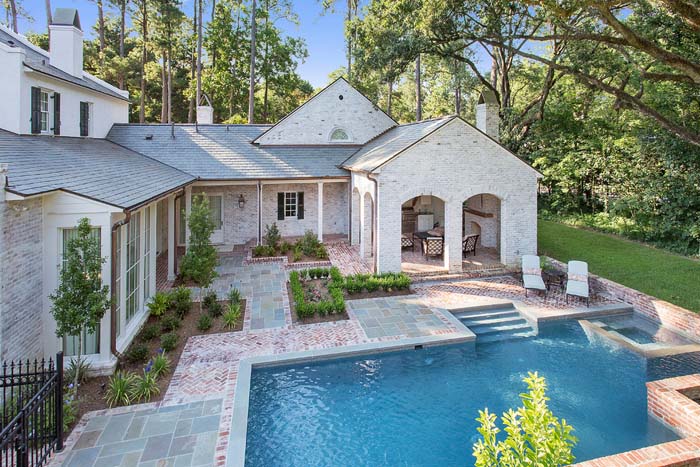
[(496, 324)]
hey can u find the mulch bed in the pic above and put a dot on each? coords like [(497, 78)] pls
[(92, 392)]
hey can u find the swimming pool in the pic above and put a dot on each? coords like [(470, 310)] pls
[(417, 407)]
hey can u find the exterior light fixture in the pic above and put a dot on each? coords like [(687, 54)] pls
[(241, 201)]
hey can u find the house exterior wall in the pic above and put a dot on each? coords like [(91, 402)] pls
[(240, 224), (15, 94), (21, 256), (313, 122), (335, 208), (455, 163)]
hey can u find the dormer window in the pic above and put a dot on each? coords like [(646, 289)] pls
[(44, 109), (339, 135)]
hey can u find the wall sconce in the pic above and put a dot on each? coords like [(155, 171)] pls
[(241, 201)]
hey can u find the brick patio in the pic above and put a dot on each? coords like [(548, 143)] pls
[(208, 368)]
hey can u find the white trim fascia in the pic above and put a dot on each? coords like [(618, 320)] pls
[(307, 181)]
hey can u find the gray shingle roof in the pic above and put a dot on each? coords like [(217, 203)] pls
[(39, 61), (93, 168), (385, 146), (226, 152)]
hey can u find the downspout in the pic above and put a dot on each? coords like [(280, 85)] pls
[(259, 213), (350, 208), (375, 210), (113, 282)]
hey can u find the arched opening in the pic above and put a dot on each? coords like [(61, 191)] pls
[(481, 232), (355, 221), (367, 241), (423, 235)]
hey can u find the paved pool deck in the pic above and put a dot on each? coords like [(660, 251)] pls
[(207, 374)]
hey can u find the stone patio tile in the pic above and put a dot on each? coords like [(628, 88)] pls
[(212, 407), (135, 428), (157, 447), (97, 423), (204, 449), (130, 459), (83, 457), (183, 427), (204, 424), (158, 424), (183, 461), (191, 413), (122, 447), (182, 445), (115, 429), (88, 439), (110, 461)]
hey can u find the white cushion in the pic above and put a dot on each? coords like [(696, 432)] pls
[(580, 289), (533, 282)]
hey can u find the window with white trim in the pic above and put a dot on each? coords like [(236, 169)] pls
[(133, 260), (339, 134), (290, 204), (44, 109), (216, 211), (147, 254)]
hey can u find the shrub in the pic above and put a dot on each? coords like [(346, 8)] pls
[(321, 252), (204, 323), (309, 243), (149, 332), (70, 408), (81, 367), (120, 388), (168, 341), (296, 255), (272, 236), (181, 299), (170, 323), (137, 353), (263, 251), (215, 310), (209, 299), (304, 308), (534, 435), (160, 365), (144, 387), (234, 295), (285, 247), (232, 316), (159, 304)]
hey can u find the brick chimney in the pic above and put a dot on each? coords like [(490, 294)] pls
[(487, 117), (66, 42)]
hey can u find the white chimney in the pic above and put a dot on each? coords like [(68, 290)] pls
[(66, 42), (205, 114), (487, 118)]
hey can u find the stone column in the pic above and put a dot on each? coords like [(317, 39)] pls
[(453, 236), (171, 238), (363, 239), (320, 212)]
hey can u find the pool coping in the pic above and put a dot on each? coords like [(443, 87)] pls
[(235, 454)]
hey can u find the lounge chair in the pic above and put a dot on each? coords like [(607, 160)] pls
[(577, 281), (532, 274), (433, 246), (469, 244)]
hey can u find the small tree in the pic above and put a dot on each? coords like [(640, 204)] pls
[(535, 435), (81, 300), (200, 260)]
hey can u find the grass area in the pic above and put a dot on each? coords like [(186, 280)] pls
[(656, 272)]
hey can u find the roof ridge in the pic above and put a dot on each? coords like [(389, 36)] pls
[(157, 124), (427, 120), (24, 40)]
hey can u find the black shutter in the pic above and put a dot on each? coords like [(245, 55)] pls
[(280, 206), (84, 118), (36, 110), (56, 113), (300, 205)]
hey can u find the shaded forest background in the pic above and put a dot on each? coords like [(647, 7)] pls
[(601, 96)]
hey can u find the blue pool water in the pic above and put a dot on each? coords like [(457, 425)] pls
[(417, 407)]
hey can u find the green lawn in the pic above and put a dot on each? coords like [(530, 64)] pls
[(664, 275)]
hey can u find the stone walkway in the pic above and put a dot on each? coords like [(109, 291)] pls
[(176, 435)]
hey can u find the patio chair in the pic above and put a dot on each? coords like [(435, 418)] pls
[(469, 244), (407, 241), (577, 281), (433, 246), (532, 274)]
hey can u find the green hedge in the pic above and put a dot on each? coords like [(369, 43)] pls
[(387, 281), (304, 308)]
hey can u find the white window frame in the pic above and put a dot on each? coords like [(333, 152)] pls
[(291, 208), (133, 277), (45, 112)]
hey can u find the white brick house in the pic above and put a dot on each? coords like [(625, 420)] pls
[(337, 166)]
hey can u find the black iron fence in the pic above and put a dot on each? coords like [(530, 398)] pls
[(31, 427)]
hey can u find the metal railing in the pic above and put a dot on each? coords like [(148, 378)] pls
[(31, 418)]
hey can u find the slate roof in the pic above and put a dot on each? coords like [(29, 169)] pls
[(38, 60), (93, 168), (384, 147), (219, 152)]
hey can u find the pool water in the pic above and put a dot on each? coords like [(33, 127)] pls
[(418, 407)]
